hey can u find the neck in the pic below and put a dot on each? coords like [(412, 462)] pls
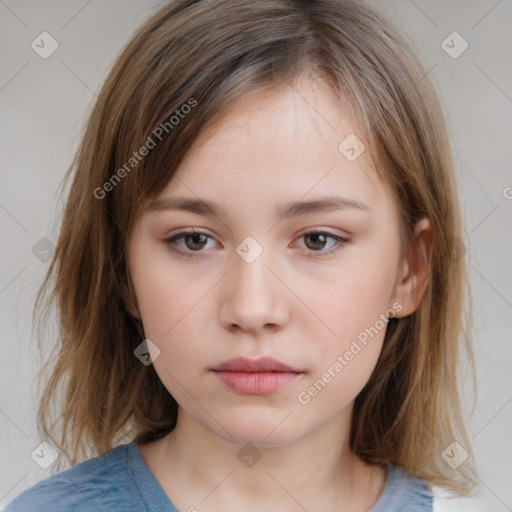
[(319, 464)]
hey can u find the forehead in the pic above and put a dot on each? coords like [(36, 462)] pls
[(279, 146)]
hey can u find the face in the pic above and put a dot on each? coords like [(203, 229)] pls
[(311, 288)]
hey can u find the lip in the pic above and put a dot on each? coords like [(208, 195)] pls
[(263, 364), (255, 376)]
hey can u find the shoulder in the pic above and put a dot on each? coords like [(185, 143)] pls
[(100, 483), (404, 492)]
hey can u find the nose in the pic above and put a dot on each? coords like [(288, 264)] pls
[(253, 297)]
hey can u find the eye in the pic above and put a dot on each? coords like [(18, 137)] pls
[(194, 242), (319, 239)]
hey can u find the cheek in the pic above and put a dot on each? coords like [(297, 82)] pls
[(345, 360), (173, 318), (166, 297), (174, 311), (354, 308), (355, 300)]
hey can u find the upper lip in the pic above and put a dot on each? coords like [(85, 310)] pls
[(264, 364)]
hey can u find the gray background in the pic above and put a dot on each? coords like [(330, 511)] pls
[(43, 104)]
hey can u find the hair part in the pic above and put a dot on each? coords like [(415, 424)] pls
[(410, 409)]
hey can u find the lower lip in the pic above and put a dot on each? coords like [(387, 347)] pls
[(256, 383)]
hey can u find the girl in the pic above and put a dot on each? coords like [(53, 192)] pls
[(258, 276)]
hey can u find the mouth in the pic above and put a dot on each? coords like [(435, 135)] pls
[(263, 364), (255, 377)]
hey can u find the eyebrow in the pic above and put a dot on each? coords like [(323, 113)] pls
[(289, 210)]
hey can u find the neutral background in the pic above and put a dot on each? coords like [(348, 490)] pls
[(43, 103)]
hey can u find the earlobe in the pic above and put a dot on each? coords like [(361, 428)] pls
[(414, 273)]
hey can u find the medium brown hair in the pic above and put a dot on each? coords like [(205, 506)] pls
[(209, 55)]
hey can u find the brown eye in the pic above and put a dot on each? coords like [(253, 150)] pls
[(316, 241), (193, 243), (197, 241)]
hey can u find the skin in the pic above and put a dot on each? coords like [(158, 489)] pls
[(291, 303)]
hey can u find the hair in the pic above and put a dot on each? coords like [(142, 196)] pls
[(210, 57)]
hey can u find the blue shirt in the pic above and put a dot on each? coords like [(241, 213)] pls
[(121, 481)]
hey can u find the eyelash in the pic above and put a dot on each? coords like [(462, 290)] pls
[(170, 243)]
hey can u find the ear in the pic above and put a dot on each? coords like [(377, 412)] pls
[(129, 298), (414, 273)]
